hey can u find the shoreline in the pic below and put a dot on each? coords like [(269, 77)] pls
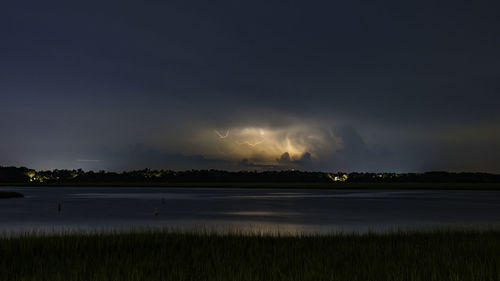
[(231, 230), (277, 185), (10, 194)]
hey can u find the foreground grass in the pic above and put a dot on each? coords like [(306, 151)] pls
[(10, 194), (164, 255)]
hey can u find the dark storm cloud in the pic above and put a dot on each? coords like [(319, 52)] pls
[(402, 87), (286, 160)]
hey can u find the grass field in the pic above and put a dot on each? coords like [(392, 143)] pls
[(10, 194), (459, 254)]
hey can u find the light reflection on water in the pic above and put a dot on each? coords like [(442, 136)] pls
[(261, 210), (261, 213)]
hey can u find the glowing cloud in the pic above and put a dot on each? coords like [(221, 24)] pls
[(264, 145)]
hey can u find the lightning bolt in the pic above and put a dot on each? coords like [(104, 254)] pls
[(250, 144), (222, 136)]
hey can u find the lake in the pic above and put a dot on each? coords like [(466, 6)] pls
[(262, 210)]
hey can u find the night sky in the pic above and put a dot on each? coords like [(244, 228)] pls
[(250, 85)]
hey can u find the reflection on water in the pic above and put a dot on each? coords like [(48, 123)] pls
[(261, 213), (261, 210)]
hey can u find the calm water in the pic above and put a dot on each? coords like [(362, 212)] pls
[(284, 210)]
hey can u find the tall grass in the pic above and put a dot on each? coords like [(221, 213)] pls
[(168, 255)]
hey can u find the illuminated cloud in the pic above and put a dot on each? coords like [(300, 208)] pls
[(263, 145)]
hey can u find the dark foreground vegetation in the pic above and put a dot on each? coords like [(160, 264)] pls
[(25, 176), (10, 194), (163, 255)]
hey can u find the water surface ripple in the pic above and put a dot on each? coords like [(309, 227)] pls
[(268, 210)]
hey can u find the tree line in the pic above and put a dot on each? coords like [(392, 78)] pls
[(30, 176)]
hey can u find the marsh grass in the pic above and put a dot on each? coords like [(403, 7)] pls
[(431, 254)]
